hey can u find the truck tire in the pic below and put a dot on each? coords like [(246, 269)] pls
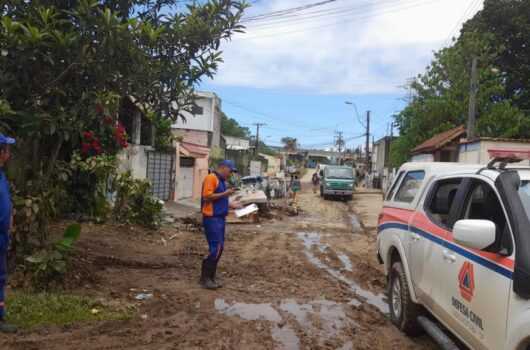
[(321, 192), (403, 311)]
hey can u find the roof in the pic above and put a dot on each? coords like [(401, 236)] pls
[(236, 143), (494, 139), (439, 140), (191, 149)]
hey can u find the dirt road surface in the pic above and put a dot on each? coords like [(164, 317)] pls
[(305, 282)]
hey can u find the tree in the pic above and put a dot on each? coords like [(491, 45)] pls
[(441, 94), (290, 144), (66, 67), (230, 127)]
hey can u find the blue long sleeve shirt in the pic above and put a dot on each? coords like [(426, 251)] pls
[(5, 211)]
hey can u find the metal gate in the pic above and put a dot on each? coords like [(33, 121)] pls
[(161, 174)]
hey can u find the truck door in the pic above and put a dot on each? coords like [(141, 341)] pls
[(429, 229), (476, 285)]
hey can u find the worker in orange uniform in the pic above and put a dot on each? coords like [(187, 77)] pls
[(215, 206)]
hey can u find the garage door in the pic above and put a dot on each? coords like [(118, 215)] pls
[(161, 174)]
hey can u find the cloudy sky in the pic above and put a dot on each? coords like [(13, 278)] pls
[(294, 72)]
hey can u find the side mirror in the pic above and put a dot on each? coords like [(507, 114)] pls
[(475, 234), (321, 172)]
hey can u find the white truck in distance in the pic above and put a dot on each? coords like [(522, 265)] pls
[(455, 243)]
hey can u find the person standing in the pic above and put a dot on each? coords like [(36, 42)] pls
[(316, 182), (296, 186), (214, 207), (6, 221)]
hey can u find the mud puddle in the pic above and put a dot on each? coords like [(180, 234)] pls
[(355, 224), (313, 239), (323, 319)]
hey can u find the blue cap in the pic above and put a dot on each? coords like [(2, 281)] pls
[(4, 140), (229, 164)]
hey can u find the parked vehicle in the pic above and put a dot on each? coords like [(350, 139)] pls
[(455, 244), (337, 181)]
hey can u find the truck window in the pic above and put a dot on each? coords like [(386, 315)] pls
[(409, 186), (441, 199), (482, 203), (390, 193)]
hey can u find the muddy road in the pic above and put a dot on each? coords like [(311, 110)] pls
[(305, 282)]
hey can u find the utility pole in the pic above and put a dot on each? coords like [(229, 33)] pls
[(258, 125), (473, 90), (339, 141), (368, 160)]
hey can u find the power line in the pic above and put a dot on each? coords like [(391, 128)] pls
[(333, 12), (469, 10), (361, 16), (286, 11)]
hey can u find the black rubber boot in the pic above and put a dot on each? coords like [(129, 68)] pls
[(207, 274), (7, 328), (217, 281)]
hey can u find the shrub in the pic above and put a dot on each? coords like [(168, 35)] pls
[(134, 202), (49, 265)]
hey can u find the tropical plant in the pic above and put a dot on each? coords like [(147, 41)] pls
[(49, 266)]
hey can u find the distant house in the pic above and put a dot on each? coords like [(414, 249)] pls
[(452, 146), (443, 147), (478, 151), (239, 151), (199, 134), (274, 164)]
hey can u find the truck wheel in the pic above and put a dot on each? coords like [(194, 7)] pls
[(403, 311), (321, 192)]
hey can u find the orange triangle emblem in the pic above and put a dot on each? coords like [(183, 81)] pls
[(466, 281)]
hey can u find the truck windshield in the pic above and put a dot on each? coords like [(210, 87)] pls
[(339, 173)]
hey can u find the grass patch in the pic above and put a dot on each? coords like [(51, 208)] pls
[(28, 310)]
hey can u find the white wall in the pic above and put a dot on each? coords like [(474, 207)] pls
[(478, 152), (134, 159), (424, 157)]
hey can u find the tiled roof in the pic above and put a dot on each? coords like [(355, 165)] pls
[(439, 140)]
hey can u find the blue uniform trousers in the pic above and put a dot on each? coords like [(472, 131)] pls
[(214, 229), (3, 279)]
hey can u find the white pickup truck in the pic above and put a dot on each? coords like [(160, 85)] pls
[(455, 243)]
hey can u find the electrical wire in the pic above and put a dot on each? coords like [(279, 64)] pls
[(333, 12), (365, 16), (469, 10)]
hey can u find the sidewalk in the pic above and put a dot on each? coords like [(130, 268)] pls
[(183, 208)]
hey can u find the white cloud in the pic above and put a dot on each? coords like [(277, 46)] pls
[(369, 47)]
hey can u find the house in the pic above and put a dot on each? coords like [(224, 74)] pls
[(442, 147), (452, 146), (273, 164), (479, 150), (199, 135), (239, 151)]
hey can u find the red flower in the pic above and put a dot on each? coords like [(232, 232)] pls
[(108, 120), (85, 148), (99, 108), (88, 135)]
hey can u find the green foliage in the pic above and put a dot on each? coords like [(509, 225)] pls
[(230, 127), (89, 184), (65, 68), (134, 202), (49, 266), (28, 310), (441, 94)]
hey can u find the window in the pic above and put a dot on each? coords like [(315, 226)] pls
[(197, 110), (440, 201), (409, 186), (390, 193), (482, 203)]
